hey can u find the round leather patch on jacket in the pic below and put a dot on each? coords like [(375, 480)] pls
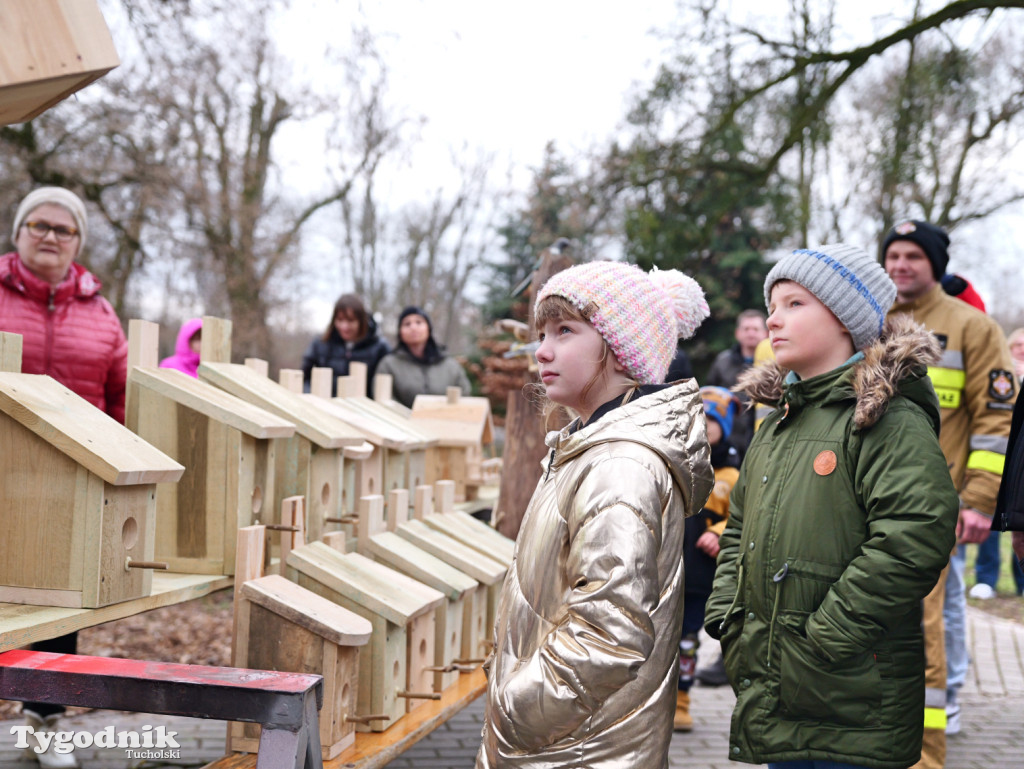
[(825, 462)]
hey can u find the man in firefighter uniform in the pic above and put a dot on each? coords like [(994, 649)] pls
[(976, 388)]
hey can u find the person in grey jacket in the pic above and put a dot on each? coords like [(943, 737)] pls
[(419, 366)]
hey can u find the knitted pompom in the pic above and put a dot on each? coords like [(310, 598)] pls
[(687, 298)]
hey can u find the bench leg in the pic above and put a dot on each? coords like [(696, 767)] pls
[(281, 747)]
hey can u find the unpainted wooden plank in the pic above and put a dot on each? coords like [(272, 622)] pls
[(382, 590), (478, 566), (404, 556), (83, 432), (44, 513), (214, 402), (10, 352), (308, 610), (323, 429), (454, 524), (216, 340), (143, 344), (420, 651), (42, 64)]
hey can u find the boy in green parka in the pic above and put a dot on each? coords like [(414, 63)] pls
[(841, 521)]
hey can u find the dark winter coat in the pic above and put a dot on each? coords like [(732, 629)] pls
[(840, 523), (70, 332), (335, 354), (1010, 504)]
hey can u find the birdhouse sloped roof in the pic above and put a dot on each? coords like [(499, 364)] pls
[(309, 610), (83, 432), (311, 422), (213, 402)]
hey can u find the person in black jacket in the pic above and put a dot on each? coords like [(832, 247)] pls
[(351, 336), (1010, 502)]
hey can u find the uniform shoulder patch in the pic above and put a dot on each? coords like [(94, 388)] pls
[(1001, 384)]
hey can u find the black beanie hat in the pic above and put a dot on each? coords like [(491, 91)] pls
[(933, 240), (432, 352), (414, 310)]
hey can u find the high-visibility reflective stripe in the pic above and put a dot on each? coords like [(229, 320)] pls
[(952, 359), (935, 718), (996, 443), (949, 385), (986, 460), (947, 378), (935, 698)]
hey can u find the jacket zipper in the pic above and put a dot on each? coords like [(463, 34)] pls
[(551, 460), (51, 308), (777, 579)]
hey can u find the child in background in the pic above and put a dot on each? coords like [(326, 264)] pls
[(186, 349), (700, 542), (584, 666), (841, 521)]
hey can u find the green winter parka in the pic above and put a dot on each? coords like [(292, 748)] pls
[(842, 519)]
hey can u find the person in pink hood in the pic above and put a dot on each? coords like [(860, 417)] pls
[(186, 349)]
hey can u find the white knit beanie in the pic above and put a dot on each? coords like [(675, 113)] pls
[(845, 279), (56, 196), (640, 315)]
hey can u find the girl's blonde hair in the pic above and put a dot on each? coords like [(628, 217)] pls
[(558, 308)]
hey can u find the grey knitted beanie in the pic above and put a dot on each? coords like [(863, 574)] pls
[(55, 196), (845, 279)]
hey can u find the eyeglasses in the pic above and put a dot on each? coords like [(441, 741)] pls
[(39, 230)]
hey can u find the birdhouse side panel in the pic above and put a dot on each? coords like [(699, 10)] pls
[(119, 533), (44, 512), (324, 494), (274, 643), (420, 658)]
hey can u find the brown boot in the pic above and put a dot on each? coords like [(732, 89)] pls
[(683, 721)]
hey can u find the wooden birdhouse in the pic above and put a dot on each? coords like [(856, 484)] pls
[(352, 396), (78, 492), (400, 452), (462, 526), (281, 626), (377, 542), (486, 571), (310, 463), (398, 674), (465, 440), (227, 445), (48, 50)]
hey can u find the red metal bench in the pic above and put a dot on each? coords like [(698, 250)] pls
[(286, 705)]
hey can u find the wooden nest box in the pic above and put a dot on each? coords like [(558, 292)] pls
[(78, 492), (281, 626), (465, 433), (398, 671), (48, 50), (228, 447), (310, 464)]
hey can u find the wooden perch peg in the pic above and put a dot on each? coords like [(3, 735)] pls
[(418, 695), (367, 719), (130, 564)]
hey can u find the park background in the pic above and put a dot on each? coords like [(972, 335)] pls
[(253, 159)]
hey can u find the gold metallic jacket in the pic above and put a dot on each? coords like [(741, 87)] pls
[(584, 668)]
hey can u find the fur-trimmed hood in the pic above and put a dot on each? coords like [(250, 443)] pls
[(899, 357)]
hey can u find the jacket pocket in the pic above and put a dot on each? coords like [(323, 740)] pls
[(732, 630), (847, 693)]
